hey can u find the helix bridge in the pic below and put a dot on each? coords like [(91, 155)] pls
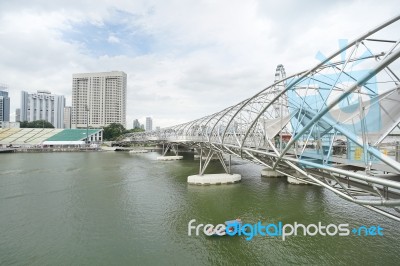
[(335, 125)]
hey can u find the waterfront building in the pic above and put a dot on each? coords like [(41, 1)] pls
[(43, 106), (149, 124), (4, 104), (98, 99)]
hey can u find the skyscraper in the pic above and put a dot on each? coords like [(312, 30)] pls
[(4, 104), (149, 124), (136, 123), (67, 117), (100, 98), (43, 106), (18, 115)]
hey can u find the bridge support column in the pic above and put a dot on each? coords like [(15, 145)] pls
[(174, 148), (213, 179), (270, 173)]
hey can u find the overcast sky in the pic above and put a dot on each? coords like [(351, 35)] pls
[(184, 59)]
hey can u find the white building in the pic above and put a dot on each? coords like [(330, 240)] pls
[(4, 104), (99, 96), (67, 116), (149, 124), (43, 106)]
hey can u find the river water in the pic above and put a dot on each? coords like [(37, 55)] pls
[(114, 208)]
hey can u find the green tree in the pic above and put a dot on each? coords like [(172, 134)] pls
[(136, 129), (113, 131), (23, 124), (36, 124)]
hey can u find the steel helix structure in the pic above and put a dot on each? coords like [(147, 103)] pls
[(335, 125)]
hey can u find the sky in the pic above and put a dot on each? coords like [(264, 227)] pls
[(184, 59)]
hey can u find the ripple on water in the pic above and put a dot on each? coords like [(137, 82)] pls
[(112, 208)]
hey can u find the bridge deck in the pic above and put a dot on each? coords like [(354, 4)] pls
[(348, 163)]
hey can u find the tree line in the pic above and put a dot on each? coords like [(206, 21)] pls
[(115, 130), (36, 124)]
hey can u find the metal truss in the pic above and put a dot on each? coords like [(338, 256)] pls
[(208, 155), (170, 146), (335, 124)]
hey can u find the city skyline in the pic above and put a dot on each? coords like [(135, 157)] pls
[(67, 110), (179, 67)]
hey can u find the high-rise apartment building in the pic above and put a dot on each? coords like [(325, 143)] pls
[(149, 124), (67, 116), (98, 99), (43, 106), (18, 115), (4, 104)]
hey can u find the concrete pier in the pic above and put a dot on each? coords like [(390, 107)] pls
[(214, 179), (294, 181), (270, 173), (169, 158)]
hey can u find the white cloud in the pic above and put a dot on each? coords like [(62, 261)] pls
[(113, 39), (202, 55)]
